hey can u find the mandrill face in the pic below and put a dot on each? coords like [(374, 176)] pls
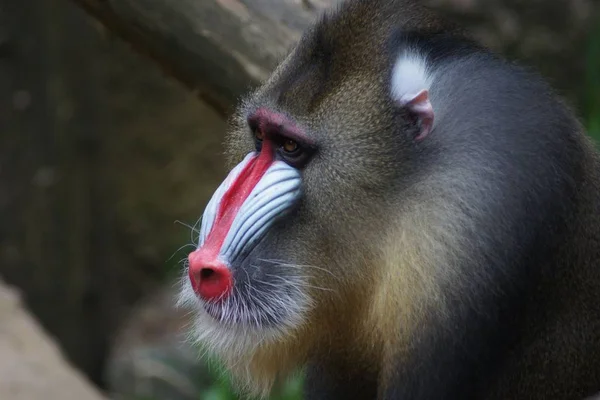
[(237, 273), (269, 237)]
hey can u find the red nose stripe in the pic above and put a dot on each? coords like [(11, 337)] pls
[(235, 196)]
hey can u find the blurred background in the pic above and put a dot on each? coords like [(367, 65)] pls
[(107, 157)]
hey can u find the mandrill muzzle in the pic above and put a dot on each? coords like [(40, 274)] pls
[(255, 194)]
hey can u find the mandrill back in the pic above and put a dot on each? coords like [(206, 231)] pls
[(556, 353), (408, 216)]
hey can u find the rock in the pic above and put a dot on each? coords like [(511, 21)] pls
[(31, 364)]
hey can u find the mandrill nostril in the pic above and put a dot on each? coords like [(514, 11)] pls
[(210, 278), (206, 273)]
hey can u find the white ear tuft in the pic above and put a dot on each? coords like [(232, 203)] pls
[(409, 76), (411, 82)]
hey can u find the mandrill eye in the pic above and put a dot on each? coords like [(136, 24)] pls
[(289, 146), (295, 153)]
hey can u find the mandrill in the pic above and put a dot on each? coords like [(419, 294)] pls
[(408, 216)]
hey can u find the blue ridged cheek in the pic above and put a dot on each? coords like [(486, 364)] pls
[(274, 196)]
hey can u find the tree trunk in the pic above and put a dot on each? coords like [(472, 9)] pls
[(99, 155)]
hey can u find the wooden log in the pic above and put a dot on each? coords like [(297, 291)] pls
[(218, 48)]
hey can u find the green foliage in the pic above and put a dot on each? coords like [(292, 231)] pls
[(222, 389), (592, 100)]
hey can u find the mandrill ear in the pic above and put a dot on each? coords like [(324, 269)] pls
[(410, 89)]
